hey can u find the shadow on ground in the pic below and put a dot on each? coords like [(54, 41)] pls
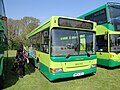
[(72, 78), (11, 77)]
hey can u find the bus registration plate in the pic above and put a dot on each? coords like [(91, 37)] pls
[(78, 74)]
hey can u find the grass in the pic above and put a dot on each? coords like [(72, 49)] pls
[(104, 79)]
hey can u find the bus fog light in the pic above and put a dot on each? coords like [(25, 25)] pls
[(93, 65), (54, 70)]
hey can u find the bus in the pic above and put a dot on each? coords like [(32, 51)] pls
[(63, 47), (107, 33), (3, 40)]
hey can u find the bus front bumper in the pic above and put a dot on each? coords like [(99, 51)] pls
[(54, 76)]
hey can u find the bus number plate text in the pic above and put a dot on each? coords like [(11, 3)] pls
[(78, 74)]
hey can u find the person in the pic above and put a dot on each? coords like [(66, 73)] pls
[(97, 47), (31, 51), (20, 61), (25, 54)]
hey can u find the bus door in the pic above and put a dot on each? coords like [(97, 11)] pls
[(115, 47), (102, 48)]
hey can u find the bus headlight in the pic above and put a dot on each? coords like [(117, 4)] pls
[(93, 65), (54, 70)]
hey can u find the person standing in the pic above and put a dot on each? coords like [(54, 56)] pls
[(20, 61)]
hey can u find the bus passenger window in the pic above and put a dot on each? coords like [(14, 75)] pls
[(44, 48), (99, 17)]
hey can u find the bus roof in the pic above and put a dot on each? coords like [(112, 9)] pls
[(99, 8), (92, 11), (48, 22)]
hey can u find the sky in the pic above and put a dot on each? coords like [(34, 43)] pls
[(44, 9)]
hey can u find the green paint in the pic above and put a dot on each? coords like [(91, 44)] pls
[(72, 58), (53, 76), (45, 70), (107, 62), (1, 64)]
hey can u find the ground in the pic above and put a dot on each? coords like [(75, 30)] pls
[(104, 79)]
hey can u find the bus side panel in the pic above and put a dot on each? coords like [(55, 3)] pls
[(109, 63), (44, 63), (113, 63), (44, 70), (108, 59), (104, 62), (103, 58), (43, 60), (114, 59)]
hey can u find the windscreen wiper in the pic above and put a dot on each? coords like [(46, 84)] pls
[(88, 54), (68, 55)]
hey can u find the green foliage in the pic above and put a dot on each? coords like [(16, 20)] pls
[(18, 29)]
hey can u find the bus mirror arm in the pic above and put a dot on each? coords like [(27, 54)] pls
[(88, 54), (68, 56)]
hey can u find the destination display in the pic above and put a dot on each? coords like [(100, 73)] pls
[(74, 23)]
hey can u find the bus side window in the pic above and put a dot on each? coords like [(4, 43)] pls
[(44, 47)]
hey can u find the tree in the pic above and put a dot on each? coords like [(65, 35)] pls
[(13, 29), (18, 29)]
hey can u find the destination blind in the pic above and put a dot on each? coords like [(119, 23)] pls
[(75, 23)]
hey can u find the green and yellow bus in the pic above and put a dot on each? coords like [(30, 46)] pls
[(3, 40), (64, 47), (107, 33)]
